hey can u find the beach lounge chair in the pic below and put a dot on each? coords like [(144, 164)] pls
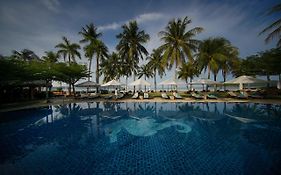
[(135, 96), (93, 95), (232, 94), (177, 96), (197, 96), (242, 96), (108, 97), (164, 95), (145, 95), (254, 95), (211, 96), (119, 96)]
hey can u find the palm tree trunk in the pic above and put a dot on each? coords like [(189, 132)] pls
[(224, 78), (155, 79), (215, 77), (209, 71), (144, 85), (73, 89), (209, 74), (268, 79), (90, 65), (97, 72), (191, 83)]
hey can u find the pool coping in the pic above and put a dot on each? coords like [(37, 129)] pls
[(62, 101)]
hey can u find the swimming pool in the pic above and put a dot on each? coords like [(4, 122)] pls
[(142, 138)]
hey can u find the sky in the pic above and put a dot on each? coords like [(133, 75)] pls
[(39, 25)]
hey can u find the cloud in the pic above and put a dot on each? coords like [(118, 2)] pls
[(52, 5), (141, 19)]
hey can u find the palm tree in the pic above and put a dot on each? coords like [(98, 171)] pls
[(145, 71), (68, 49), (178, 42), (25, 55), (131, 43), (156, 64), (111, 67), (50, 57), (274, 29), (211, 52), (101, 53), (228, 63), (188, 70), (90, 37)]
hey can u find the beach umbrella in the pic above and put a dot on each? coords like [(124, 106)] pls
[(140, 82), (172, 82), (245, 80), (205, 81), (113, 83), (87, 84)]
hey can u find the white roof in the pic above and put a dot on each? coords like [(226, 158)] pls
[(245, 80), (172, 82), (205, 81), (140, 82), (87, 84), (113, 83)]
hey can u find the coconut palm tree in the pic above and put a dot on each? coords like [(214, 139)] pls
[(179, 43), (111, 67), (228, 63), (25, 55), (51, 57), (211, 52), (156, 64), (90, 38), (130, 44), (101, 53), (188, 70), (68, 49), (145, 71), (274, 29)]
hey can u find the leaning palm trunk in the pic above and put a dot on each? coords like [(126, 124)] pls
[(69, 84), (155, 79), (224, 79), (97, 72)]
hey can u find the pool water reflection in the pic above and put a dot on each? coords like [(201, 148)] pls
[(142, 138)]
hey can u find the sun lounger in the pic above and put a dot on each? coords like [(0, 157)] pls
[(197, 96), (119, 96), (93, 95), (177, 96), (108, 97), (135, 96), (211, 96), (232, 94), (254, 96), (145, 95), (164, 95), (242, 96)]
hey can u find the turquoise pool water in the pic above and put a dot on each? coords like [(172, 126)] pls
[(142, 138)]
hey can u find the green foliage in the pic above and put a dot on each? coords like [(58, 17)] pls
[(17, 72), (68, 49), (215, 54), (274, 28), (263, 63), (179, 44), (130, 45)]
